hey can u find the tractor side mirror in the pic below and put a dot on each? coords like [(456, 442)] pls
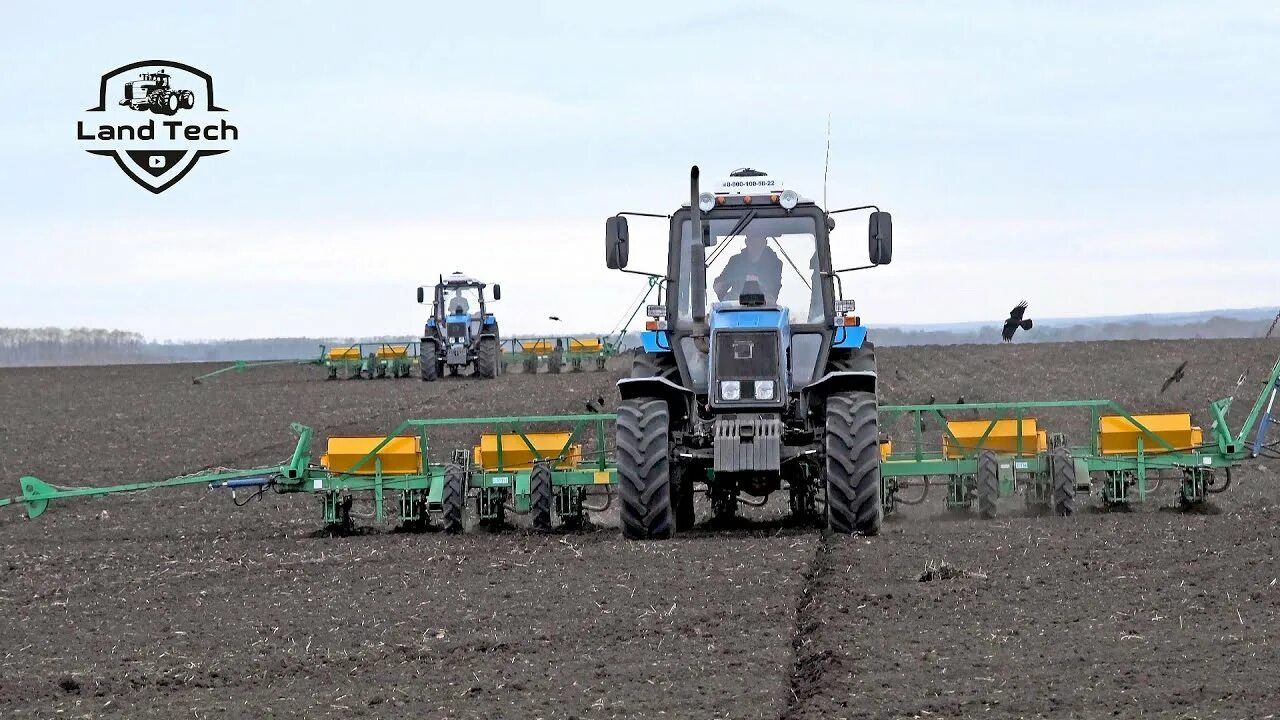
[(617, 241), (880, 238), (421, 295), (497, 292)]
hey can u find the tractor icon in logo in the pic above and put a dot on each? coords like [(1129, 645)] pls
[(153, 93)]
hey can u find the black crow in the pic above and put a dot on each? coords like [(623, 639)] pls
[(553, 317), (1175, 377), (1015, 321)]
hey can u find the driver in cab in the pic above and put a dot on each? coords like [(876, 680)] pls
[(754, 262), (458, 305)]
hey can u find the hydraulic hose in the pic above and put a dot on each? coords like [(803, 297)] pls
[(1225, 485), (918, 500)]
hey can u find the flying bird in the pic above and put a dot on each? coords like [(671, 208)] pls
[(1015, 321), (553, 317), (1175, 377)]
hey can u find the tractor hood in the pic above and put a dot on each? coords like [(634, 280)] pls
[(748, 356)]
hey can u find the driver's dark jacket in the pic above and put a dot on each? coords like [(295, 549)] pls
[(767, 267)]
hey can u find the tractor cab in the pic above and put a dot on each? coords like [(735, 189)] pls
[(459, 321), (752, 350)]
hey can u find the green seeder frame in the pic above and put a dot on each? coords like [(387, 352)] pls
[(368, 364), (420, 495), (1126, 477), (517, 352)]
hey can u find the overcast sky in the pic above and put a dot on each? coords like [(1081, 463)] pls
[(1092, 158)]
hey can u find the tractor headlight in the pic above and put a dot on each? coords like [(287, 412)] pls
[(844, 307), (706, 201), (657, 312), (730, 390), (764, 389), (789, 199)]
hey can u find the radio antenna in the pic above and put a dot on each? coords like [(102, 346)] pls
[(826, 165)]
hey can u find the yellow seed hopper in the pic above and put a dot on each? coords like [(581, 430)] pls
[(1003, 437), (516, 455), (401, 456), (1118, 436), (345, 353)]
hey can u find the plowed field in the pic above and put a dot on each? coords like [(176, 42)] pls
[(177, 604)]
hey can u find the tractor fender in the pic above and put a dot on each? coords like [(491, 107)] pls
[(679, 398), (839, 381)]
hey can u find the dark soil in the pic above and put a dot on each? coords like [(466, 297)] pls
[(177, 604)]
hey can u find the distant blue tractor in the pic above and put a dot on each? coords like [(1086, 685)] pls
[(771, 384), (461, 331)]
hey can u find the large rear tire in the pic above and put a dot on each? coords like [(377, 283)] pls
[(988, 481), (1062, 482), (861, 359), (644, 476), (540, 496), (644, 365), (853, 464), (487, 358), (453, 499), (427, 363)]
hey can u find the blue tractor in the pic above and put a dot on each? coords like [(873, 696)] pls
[(461, 331), (755, 375)]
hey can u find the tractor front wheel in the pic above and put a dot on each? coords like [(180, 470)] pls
[(644, 469), (487, 358), (682, 485), (427, 364), (853, 464)]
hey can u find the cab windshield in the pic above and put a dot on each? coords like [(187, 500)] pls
[(778, 254), (459, 300)]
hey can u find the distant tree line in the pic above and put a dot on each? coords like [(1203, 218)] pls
[(70, 346), (86, 346), (1207, 329)]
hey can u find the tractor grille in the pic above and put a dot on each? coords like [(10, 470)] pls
[(456, 331), (746, 356)]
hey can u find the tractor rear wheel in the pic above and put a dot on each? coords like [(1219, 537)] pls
[(644, 469), (852, 447), (487, 357), (453, 499), (988, 480), (186, 99), (426, 361), (861, 359), (540, 496), (644, 365), (1062, 482)]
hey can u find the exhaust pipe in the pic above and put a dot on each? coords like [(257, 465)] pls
[(697, 254)]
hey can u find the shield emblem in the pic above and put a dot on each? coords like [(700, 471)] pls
[(143, 116)]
